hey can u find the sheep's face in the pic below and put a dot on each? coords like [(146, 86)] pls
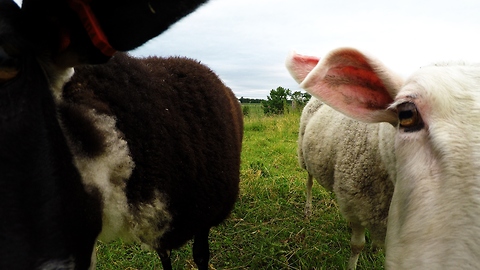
[(434, 218)]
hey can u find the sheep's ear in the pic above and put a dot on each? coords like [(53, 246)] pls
[(300, 65), (353, 84), (59, 26)]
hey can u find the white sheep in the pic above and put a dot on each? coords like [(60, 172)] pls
[(353, 160), (434, 216)]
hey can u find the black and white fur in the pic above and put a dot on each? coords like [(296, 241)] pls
[(143, 149)]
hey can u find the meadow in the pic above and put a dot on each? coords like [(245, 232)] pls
[(267, 229)]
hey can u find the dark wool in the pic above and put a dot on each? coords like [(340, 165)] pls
[(184, 129), (45, 211), (61, 160)]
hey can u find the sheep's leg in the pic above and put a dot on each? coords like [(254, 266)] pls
[(165, 258), (356, 244), (93, 261), (201, 250), (308, 191)]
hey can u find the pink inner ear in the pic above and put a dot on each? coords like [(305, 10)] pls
[(353, 84), (300, 65)]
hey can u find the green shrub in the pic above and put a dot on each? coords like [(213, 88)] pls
[(277, 101), (246, 110), (281, 100)]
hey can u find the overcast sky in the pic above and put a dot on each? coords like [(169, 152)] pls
[(246, 42)]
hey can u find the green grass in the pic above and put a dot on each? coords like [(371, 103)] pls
[(267, 229)]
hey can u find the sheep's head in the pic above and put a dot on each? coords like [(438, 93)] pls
[(434, 218)]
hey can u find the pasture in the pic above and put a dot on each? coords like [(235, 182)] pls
[(267, 229)]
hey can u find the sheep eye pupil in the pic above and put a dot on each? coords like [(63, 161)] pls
[(405, 115), (409, 118)]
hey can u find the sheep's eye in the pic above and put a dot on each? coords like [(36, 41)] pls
[(409, 118), (9, 66)]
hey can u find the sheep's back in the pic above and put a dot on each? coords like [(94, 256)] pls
[(308, 111), (354, 160), (322, 143)]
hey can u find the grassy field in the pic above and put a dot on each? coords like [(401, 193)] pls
[(267, 229)]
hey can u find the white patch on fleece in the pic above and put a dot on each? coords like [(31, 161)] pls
[(57, 77), (64, 264), (150, 221), (60, 82), (109, 172)]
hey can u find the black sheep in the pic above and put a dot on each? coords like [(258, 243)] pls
[(143, 149), (183, 130)]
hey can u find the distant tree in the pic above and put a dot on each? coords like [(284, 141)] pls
[(249, 100), (299, 99), (277, 101)]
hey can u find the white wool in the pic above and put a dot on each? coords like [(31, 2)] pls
[(108, 173), (435, 210), (354, 160)]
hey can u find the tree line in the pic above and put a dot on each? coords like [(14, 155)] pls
[(279, 100)]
